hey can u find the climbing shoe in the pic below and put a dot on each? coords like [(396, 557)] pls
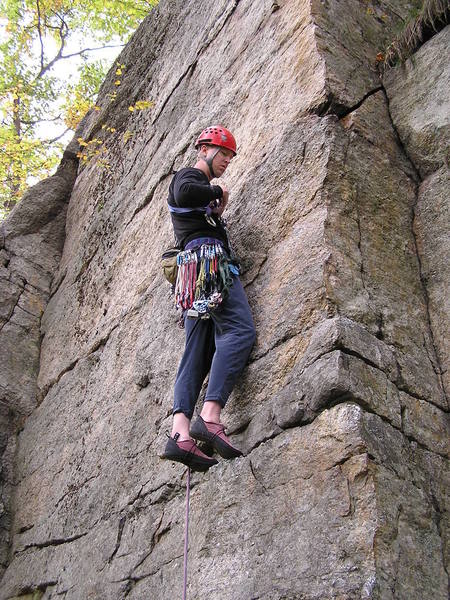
[(188, 453), (214, 435)]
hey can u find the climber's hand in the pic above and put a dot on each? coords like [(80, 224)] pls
[(218, 210)]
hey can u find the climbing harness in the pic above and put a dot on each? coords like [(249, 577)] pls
[(203, 280), (186, 532), (207, 210)]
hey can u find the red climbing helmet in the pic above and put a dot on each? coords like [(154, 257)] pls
[(216, 135)]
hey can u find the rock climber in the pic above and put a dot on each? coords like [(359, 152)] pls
[(220, 344)]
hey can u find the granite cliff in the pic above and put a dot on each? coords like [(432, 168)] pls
[(339, 211)]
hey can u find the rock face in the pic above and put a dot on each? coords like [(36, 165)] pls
[(342, 413), (420, 107), (30, 250)]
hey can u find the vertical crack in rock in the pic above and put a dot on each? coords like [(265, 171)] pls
[(122, 521), (378, 317), (397, 559), (57, 281), (257, 479), (258, 272), (399, 139), (435, 363), (86, 263), (351, 501), (13, 308), (437, 518)]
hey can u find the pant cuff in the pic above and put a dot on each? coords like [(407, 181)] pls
[(185, 412), (219, 400)]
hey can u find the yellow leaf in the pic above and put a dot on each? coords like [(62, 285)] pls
[(143, 104), (127, 135)]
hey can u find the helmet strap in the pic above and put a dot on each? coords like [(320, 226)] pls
[(209, 162)]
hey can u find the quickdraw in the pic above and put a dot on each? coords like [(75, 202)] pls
[(203, 279), (186, 279)]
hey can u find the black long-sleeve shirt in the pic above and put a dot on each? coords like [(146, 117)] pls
[(190, 189)]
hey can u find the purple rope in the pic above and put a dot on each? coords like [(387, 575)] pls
[(186, 531)]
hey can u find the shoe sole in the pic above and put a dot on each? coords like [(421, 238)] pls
[(218, 444), (196, 463), (192, 464)]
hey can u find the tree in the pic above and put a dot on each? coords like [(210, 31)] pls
[(37, 36)]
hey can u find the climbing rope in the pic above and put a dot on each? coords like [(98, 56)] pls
[(186, 531)]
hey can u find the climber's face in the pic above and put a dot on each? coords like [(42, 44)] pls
[(221, 160), (216, 156)]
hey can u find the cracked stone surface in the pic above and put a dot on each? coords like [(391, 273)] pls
[(420, 108), (342, 415), (422, 118)]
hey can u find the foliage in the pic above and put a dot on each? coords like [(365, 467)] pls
[(36, 37), (432, 16), (95, 148), (80, 95)]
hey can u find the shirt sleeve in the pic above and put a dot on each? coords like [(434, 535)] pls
[(188, 191)]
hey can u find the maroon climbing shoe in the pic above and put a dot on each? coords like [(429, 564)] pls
[(214, 434), (188, 453)]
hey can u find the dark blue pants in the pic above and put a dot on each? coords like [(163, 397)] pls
[(219, 345)]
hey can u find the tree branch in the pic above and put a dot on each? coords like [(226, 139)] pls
[(16, 117), (63, 33), (49, 142), (58, 118), (40, 32), (80, 52)]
